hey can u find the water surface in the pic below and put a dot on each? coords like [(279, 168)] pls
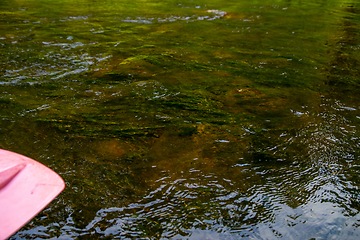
[(186, 119)]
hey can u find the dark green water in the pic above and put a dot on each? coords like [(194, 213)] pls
[(186, 119)]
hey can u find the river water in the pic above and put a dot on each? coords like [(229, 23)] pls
[(186, 119)]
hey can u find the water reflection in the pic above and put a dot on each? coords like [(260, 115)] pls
[(309, 192), (303, 184)]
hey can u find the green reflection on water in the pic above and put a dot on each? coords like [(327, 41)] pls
[(168, 118)]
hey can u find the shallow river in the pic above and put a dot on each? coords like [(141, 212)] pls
[(187, 119)]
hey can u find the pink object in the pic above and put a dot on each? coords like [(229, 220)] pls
[(26, 187)]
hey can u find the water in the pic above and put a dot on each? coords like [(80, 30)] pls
[(186, 119)]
